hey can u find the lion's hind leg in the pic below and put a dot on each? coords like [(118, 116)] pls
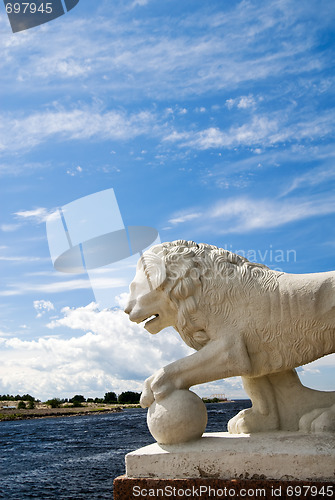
[(318, 420), (263, 415), (300, 407)]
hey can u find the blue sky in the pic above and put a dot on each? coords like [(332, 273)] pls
[(211, 120)]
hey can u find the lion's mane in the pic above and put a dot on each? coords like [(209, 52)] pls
[(203, 280)]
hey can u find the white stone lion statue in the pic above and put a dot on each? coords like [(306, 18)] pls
[(242, 319)]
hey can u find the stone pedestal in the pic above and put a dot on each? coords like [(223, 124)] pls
[(279, 464)]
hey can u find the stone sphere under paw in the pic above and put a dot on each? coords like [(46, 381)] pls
[(178, 418)]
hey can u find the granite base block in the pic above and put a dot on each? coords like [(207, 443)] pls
[(222, 465), (279, 455), (205, 489)]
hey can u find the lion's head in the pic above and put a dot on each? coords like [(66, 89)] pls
[(148, 301), (182, 283)]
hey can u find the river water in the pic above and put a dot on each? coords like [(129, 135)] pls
[(78, 457)]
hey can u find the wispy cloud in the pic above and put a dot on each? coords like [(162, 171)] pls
[(313, 177), (37, 215), (21, 258), (244, 214), (9, 228), (250, 215), (20, 168), (177, 60), (184, 218), (8, 255), (176, 57), (75, 124), (139, 3), (263, 130), (21, 288), (258, 131), (292, 165)]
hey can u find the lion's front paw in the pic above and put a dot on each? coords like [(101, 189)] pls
[(318, 420), (250, 420), (157, 387), (147, 396)]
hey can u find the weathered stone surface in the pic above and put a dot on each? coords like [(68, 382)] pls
[(178, 418), (280, 456)]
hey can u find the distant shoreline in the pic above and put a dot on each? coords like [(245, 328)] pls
[(10, 414)]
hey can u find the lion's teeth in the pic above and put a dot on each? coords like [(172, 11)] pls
[(153, 316)]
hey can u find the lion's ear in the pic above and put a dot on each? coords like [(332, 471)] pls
[(201, 337)]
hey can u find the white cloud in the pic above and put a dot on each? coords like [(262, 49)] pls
[(230, 103), (141, 3), (230, 387), (246, 169), (77, 170), (243, 214), (313, 177), (225, 48), (122, 299), (266, 129), (74, 124), (246, 214), (21, 258), (243, 102), (319, 374), (15, 168), (259, 131), (37, 215), (309, 369), (246, 102), (184, 218), (43, 306), (111, 354), (8, 228), (62, 286), (201, 109)]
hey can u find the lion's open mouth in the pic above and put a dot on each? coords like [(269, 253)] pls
[(150, 319)]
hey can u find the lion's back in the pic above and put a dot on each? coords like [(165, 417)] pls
[(292, 325), (309, 296)]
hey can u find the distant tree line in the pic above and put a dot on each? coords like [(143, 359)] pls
[(25, 397), (22, 400), (211, 400), (128, 397)]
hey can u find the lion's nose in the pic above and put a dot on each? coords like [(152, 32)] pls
[(129, 307)]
